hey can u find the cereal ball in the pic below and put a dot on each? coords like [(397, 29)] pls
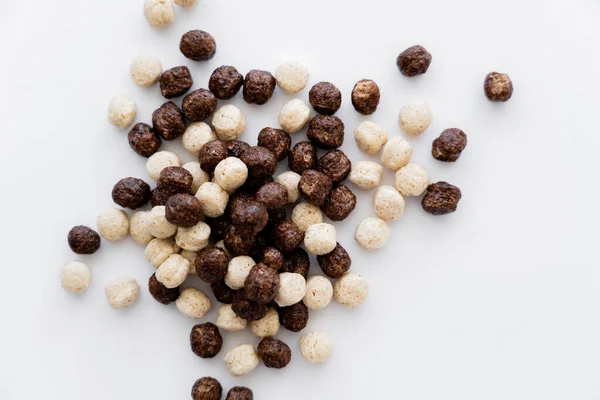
[(295, 317), (318, 292), (258, 87), (250, 216), (316, 347), (229, 122), (365, 96), (211, 264), (213, 199), (239, 241), (366, 174), (336, 263), (206, 340), (199, 105), (297, 262), (320, 239), (143, 140), (122, 292), (168, 121), (276, 141), (175, 81), (339, 203), (235, 148), (291, 77), (239, 393), (145, 70), (231, 173), (274, 353), (194, 238), (159, 197), (415, 117), (199, 177), (290, 180), (225, 82), (498, 87), (185, 3), (173, 271), (273, 195), (440, 198), (272, 258), (411, 180), (292, 288), (229, 321), (75, 277), (113, 224), (237, 271), (305, 215), (247, 309), (449, 145), (131, 193), (325, 98), (196, 135), (160, 292), (241, 360), (175, 180), (260, 161), (396, 153), (388, 203), (294, 115), (261, 284), (159, 13), (159, 161), (413, 61), (351, 290), (314, 186), (302, 157), (211, 154), (372, 233), (183, 210), (198, 45), (218, 226), (193, 303), (370, 137), (223, 293), (138, 228), (326, 132), (336, 165), (266, 326), (83, 240), (207, 389), (121, 111), (158, 226), (287, 236), (158, 250)]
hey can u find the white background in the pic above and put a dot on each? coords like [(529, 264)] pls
[(499, 300)]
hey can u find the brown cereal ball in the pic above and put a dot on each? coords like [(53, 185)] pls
[(217, 226), (247, 309), (449, 145), (175, 180), (211, 154), (277, 215), (175, 82), (238, 201), (239, 393), (223, 293), (365, 96), (273, 195), (235, 148), (296, 262), (160, 292), (198, 45), (225, 82), (83, 240), (238, 241), (261, 284), (287, 236), (143, 140), (498, 87), (336, 165), (325, 98), (339, 203), (207, 389), (314, 186), (441, 198), (131, 193), (206, 340), (274, 353), (159, 197), (199, 105), (249, 215), (183, 210), (211, 264), (277, 141), (302, 157), (413, 61), (295, 317), (168, 121), (258, 87), (336, 263), (272, 258), (261, 162), (326, 132)]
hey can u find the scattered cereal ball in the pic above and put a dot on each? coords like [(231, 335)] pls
[(231, 173), (239, 393), (415, 117), (194, 238), (168, 121), (258, 87), (318, 292), (372, 233), (266, 326), (241, 360), (131, 193), (159, 197), (186, 4), (143, 140), (441, 198), (206, 340), (287, 236), (207, 389), (413, 61), (122, 292), (294, 115), (250, 216), (316, 347), (138, 228), (261, 284), (412, 180), (113, 224), (174, 180), (175, 81), (193, 303), (83, 240), (198, 45), (498, 87), (213, 199), (351, 290), (158, 225), (229, 122), (75, 277), (370, 137), (225, 82), (335, 164), (237, 271), (211, 264), (121, 111), (273, 195), (292, 288), (196, 135), (291, 77), (272, 258), (326, 132), (396, 153), (336, 263), (314, 186), (305, 215), (211, 154), (325, 98), (297, 262), (388, 203), (239, 241), (145, 70), (235, 148), (261, 162), (199, 177), (159, 13), (449, 145), (158, 250), (365, 96), (159, 161), (366, 174), (320, 239), (290, 180), (302, 157), (274, 353), (160, 292), (295, 317), (339, 203), (247, 309), (277, 141), (229, 321), (199, 105), (173, 271)]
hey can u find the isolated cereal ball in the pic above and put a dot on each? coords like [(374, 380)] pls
[(498, 87), (207, 388), (173, 271), (351, 290), (199, 177), (320, 239), (75, 277), (370, 137), (305, 215), (266, 326), (158, 225), (158, 250), (316, 347), (441, 198), (213, 199), (240, 393), (229, 122), (241, 360), (122, 292), (229, 321), (231, 173), (365, 96), (121, 111), (83, 240), (198, 45), (292, 288), (396, 153), (325, 98), (206, 340), (274, 353), (294, 116), (413, 61), (366, 174), (185, 3), (290, 180), (196, 135), (319, 292), (139, 228), (159, 13), (415, 117), (411, 180), (143, 140), (291, 76), (372, 233), (388, 203), (449, 145), (113, 224), (145, 70), (237, 271), (131, 193), (193, 303), (159, 161), (194, 238)]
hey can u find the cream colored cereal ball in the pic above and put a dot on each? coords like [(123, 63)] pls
[(320, 239), (372, 233), (122, 292), (159, 13), (194, 238), (191, 257), (158, 226), (173, 271), (196, 135), (412, 180), (75, 277), (318, 292), (366, 174), (267, 326), (415, 117), (145, 70), (121, 111), (185, 3), (351, 290), (113, 224), (199, 176), (290, 180), (306, 214), (241, 360), (213, 199), (139, 227), (193, 303), (370, 137), (291, 76), (229, 122), (230, 173), (316, 347), (161, 160), (292, 288), (228, 320), (294, 115), (238, 269), (388, 203), (158, 250), (396, 153)]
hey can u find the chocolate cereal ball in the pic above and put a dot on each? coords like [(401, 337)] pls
[(336, 165), (325, 98), (336, 263), (247, 309), (287, 236), (441, 198), (160, 292), (131, 193), (314, 186), (238, 241), (235, 148), (365, 96), (211, 154), (413, 61), (175, 180), (223, 293), (339, 203), (199, 105), (198, 45), (143, 140), (261, 284), (274, 353), (239, 393), (225, 82), (498, 87), (273, 195), (168, 121), (296, 262), (276, 140), (449, 145), (207, 389), (295, 317), (272, 258), (175, 82), (83, 240), (211, 264), (159, 197), (183, 210), (261, 162), (250, 216), (206, 340), (258, 87), (326, 132)]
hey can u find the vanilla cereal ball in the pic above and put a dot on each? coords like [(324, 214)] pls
[(291, 77), (292, 288), (196, 135), (320, 239), (145, 70), (366, 174), (122, 292), (139, 227), (159, 13), (316, 347), (370, 137), (199, 176), (294, 115), (388, 203), (241, 360), (290, 180), (415, 117), (121, 111), (191, 257), (237, 271), (396, 153), (75, 277), (173, 271), (213, 199), (267, 326), (161, 160), (158, 226), (228, 320), (318, 292), (113, 224), (194, 238), (412, 180), (185, 3), (193, 303), (351, 290), (229, 122), (306, 214), (158, 250), (372, 233), (230, 173)]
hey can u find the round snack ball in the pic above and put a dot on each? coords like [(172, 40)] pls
[(199, 177), (287, 236), (325, 98), (290, 181), (145, 70), (498, 87), (83, 240), (75, 277), (193, 303), (294, 115), (277, 141), (326, 132), (441, 198), (320, 239), (138, 228), (231, 173), (159, 161), (258, 87), (365, 96), (297, 262), (241, 360), (207, 389), (273, 195), (160, 292), (292, 288), (211, 264), (121, 111), (235, 148), (185, 3), (175, 81), (274, 353), (295, 317), (449, 145), (113, 224), (199, 105), (372, 233), (291, 77), (351, 290), (239, 241), (266, 326), (388, 203), (122, 292), (336, 263), (223, 293), (370, 137), (261, 284), (247, 309), (191, 257), (159, 13), (272, 258), (158, 226), (159, 197), (339, 203), (213, 199), (239, 393), (415, 117), (335, 164), (131, 193), (196, 135), (211, 154), (198, 45), (366, 174), (168, 121), (314, 186), (229, 122), (175, 180), (173, 271), (158, 250), (411, 180), (225, 82), (316, 347), (261, 162), (413, 61), (229, 321), (143, 140), (206, 340), (319, 292), (396, 153), (250, 216), (194, 238), (305, 215), (237, 271), (302, 157)]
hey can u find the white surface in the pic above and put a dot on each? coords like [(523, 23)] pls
[(497, 301)]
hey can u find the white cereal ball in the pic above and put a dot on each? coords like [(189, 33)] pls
[(159, 13), (306, 214), (412, 180), (113, 224), (161, 160), (173, 271), (122, 292), (185, 3), (316, 347), (158, 226), (145, 70), (229, 122), (75, 277), (370, 137), (213, 199), (199, 176), (241, 360), (194, 238), (351, 290), (290, 180), (415, 117), (320, 239), (121, 111), (292, 288), (291, 76), (396, 153), (388, 203), (267, 326), (294, 115), (196, 135), (372, 233), (158, 250), (193, 303), (230, 173), (139, 227), (228, 320), (366, 174), (238, 269), (318, 292), (191, 257)]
